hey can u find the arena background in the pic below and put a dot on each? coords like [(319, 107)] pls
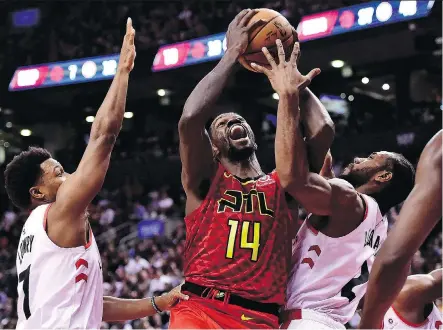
[(381, 81)]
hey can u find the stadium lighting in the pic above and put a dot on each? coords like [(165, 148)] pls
[(351, 98), (343, 95), (365, 80), (385, 87), (337, 64), (25, 132), (161, 92), (90, 119), (275, 96), (8, 124), (128, 115)]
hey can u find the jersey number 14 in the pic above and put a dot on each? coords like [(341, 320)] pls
[(244, 243)]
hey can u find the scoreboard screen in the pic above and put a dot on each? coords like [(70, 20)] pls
[(316, 26), (64, 73), (321, 25)]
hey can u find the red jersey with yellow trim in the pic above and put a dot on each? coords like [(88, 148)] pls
[(239, 239)]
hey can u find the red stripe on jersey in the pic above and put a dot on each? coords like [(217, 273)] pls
[(90, 238), (80, 277), (81, 262), (414, 325), (312, 229), (308, 261), (45, 217), (315, 248)]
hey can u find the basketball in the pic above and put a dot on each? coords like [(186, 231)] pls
[(277, 27)]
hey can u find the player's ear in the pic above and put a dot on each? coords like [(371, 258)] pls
[(36, 193), (383, 176)]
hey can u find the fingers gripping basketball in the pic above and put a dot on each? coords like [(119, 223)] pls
[(265, 35)]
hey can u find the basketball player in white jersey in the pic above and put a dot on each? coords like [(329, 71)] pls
[(60, 282), (335, 246), (414, 307), (419, 214)]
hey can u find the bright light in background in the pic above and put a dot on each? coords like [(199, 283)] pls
[(8, 124), (6, 144), (365, 80), (275, 96), (161, 92), (351, 98), (385, 87), (90, 119), (343, 95), (128, 115), (337, 64), (25, 132)]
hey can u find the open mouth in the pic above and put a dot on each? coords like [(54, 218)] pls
[(237, 132)]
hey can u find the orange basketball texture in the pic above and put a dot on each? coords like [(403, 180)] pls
[(277, 27)]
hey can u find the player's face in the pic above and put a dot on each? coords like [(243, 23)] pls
[(50, 181), (361, 170), (232, 137)]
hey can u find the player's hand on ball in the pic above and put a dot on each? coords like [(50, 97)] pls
[(170, 299), (237, 37), (284, 76), (127, 53)]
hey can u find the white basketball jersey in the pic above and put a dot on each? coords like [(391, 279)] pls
[(393, 320), (58, 288), (330, 275)]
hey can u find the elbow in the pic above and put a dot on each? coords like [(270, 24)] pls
[(106, 139)]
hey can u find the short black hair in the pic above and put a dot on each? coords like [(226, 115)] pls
[(22, 173), (401, 184)]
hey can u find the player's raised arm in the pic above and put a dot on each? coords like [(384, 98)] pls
[(312, 191), (81, 187), (419, 214), (195, 148), (318, 129)]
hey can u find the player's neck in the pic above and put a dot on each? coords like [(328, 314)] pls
[(248, 168)]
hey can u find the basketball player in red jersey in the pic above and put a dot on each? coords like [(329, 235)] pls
[(418, 216), (239, 232), (60, 282)]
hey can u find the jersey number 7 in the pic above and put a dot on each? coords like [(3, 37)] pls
[(244, 244), (24, 277)]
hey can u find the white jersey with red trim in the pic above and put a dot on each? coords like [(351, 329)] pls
[(58, 288), (393, 320), (330, 275)]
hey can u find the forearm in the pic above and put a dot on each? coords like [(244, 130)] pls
[(116, 309), (198, 106), (318, 129), (290, 151), (385, 283), (109, 117)]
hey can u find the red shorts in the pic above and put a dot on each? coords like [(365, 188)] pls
[(203, 313)]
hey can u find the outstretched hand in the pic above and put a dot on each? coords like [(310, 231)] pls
[(284, 76), (127, 53)]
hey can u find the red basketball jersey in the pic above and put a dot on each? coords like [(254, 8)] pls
[(239, 239)]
